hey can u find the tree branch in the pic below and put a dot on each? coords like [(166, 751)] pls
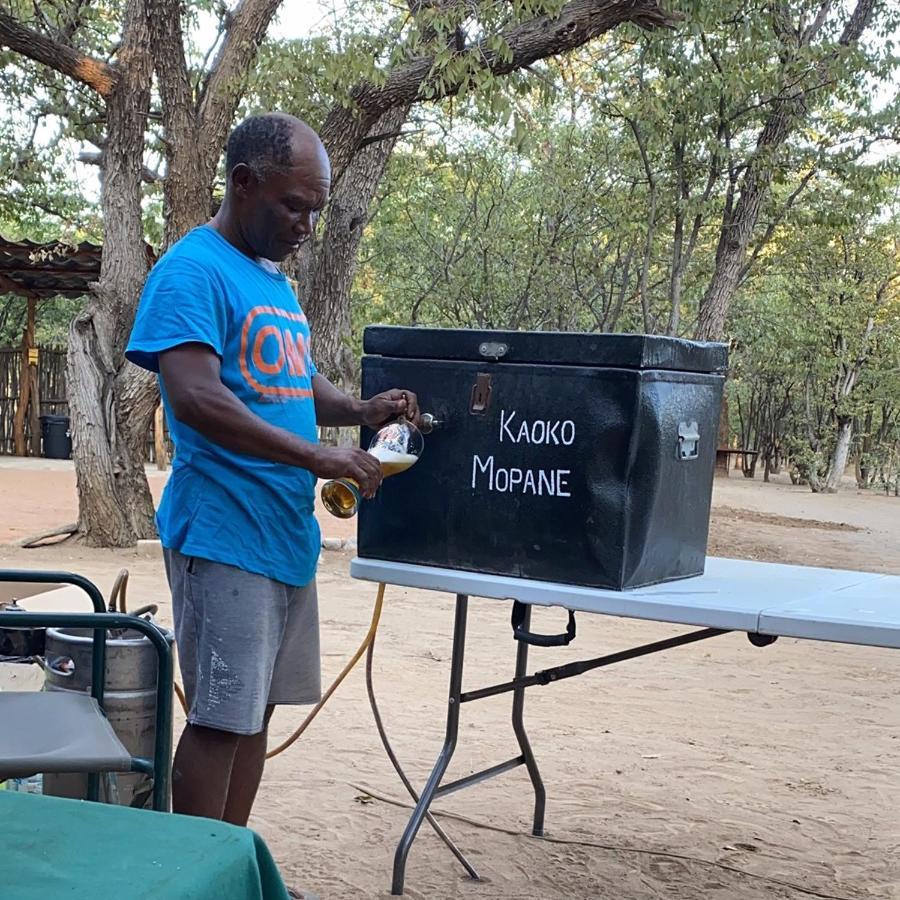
[(810, 32), (858, 22), (777, 219), (579, 21), (164, 21), (92, 72), (388, 136), (74, 20), (95, 158), (203, 72), (651, 224), (246, 29), (784, 28)]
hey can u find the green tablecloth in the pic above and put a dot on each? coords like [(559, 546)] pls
[(54, 849)]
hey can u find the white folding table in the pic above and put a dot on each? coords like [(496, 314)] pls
[(765, 600)]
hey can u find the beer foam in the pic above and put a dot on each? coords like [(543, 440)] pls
[(395, 457)]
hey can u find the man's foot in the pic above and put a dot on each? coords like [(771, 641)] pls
[(301, 895)]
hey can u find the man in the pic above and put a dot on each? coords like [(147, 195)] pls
[(220, 324)]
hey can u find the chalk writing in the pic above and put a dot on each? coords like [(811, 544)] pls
[(539, 482), (538, 431)]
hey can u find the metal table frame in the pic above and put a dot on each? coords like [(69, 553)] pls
[(457, 697), (762, 621)]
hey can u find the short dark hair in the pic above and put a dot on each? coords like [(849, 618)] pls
[(263, 143)]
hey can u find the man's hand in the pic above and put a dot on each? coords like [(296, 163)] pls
[(348, 462), (390, 405)]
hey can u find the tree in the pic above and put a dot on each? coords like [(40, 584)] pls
[(482, 233), (666, 130), (745, 97), (851, 295), (111, 402), (815, 53), (819, 333)]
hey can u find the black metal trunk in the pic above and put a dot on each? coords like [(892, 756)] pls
[(577, 458)]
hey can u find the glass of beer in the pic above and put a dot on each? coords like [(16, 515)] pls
[(396, 447)]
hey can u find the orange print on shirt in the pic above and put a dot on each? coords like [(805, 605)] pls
[(290, 352)]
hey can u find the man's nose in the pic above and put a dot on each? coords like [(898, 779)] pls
[(305, 224)]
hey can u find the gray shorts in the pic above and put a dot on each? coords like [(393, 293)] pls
[(243, 641)]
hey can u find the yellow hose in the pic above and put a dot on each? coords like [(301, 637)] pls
[(179, 693), (370, 636)]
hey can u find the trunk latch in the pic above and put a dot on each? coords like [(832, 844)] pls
[(688, 440), (481, 394)]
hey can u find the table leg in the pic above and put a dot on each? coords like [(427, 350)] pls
[(446, 754), (540, 794)]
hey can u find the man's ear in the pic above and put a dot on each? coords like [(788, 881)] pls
[(243, 179)]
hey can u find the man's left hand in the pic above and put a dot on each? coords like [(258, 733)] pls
[(384, 407)]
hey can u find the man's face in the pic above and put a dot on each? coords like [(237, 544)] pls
[(280, 212)]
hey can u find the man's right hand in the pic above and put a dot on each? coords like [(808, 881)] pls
[(348, 462)]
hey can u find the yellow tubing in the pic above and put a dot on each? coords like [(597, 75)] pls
[(370, 635), (179, 693)]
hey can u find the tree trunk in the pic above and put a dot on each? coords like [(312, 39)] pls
[(786, 110), (748, 468), (112, 402), (108, 428), (839, 456), (34, 408), (27, 392), (738, 225), (21, 448), (160, 450), (328, 267), (863, 464), (811, 477)]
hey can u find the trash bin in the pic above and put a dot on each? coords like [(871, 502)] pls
[(576, 458), (56, 437)]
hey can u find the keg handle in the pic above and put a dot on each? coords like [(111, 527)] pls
[(150, 608), (520, 633), (51, 665)]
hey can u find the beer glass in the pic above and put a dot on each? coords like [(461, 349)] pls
[(397, 446)]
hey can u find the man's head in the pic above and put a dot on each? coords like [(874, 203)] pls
[(278, 180)]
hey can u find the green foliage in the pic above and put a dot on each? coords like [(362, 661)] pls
[(484, 237), (52, 325), (820, 338)]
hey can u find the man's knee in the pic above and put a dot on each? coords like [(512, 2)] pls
[(211, 737)]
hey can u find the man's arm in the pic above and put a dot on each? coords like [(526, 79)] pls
[(335, 409), (192, 378)]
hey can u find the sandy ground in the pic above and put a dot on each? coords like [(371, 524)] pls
[(717, 770), (37, 495)]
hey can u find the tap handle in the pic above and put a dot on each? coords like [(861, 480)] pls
[(428, 423)]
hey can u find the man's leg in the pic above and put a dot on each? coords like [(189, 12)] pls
[(296, 679), (246, 774), (202, 770), (229, 626)]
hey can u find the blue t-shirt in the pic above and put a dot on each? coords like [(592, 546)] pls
[(223, 506)]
